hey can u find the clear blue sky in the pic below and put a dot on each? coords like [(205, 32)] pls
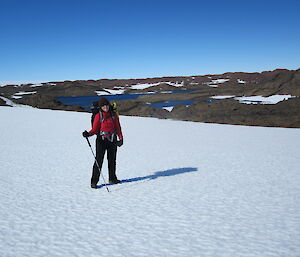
[(50, 40)]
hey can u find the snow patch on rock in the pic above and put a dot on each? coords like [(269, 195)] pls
[(273, 99), (216, 82)]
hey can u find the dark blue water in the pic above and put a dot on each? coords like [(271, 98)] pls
[(87, 101)]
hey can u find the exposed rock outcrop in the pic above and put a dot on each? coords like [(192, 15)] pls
[(283, 114), (196, 88)]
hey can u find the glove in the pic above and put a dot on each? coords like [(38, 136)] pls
[(86, 134), (119, 143)]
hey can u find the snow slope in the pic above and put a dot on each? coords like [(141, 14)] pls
[(190, 189)]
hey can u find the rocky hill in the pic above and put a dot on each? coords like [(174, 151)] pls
[(215, 98)]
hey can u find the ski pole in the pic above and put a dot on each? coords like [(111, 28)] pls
[(97, 163)]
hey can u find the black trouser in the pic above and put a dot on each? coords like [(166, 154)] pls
[(103, 145)]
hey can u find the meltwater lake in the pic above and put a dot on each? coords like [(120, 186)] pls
[(86, 102)]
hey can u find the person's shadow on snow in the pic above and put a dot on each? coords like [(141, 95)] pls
[(164, 173), (158, 174)]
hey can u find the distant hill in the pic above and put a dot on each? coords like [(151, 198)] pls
[(199, 89)]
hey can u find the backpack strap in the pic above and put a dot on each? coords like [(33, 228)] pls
[(105, 134), (112, 116), (101, 117)]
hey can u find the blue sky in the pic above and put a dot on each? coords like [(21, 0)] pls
[(68, 40)]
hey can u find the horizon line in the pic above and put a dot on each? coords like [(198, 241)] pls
[(6, 83)]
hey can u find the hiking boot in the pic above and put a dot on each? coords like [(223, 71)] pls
[(114, 181), (94, 186)]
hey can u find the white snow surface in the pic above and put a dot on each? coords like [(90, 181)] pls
[(39, 85), (273, 99), (143, 86), (169, 109), (99, 93), (192, 189), (13, 104), (147, 85), (8, 102), (216, 82), (20, 94), (222, 96), (115, 91), (241, 81), (110, 92)]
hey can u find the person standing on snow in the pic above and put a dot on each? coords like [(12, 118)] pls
[(106, 126)]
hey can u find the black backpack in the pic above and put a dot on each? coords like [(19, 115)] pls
[(95, 109)]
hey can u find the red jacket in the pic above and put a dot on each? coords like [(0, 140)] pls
[(108, 124)]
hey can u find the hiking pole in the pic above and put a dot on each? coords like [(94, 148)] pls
[(97, 163)]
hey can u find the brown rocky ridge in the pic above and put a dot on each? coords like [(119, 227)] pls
[(199, 89)]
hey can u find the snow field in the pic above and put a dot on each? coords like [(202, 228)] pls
[(273, 99), (190, 189)]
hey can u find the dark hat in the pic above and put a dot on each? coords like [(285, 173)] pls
[(103, 101)]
